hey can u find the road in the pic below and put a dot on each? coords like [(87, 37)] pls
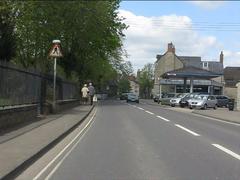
[(141, 141)]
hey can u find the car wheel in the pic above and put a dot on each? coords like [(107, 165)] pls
[(173, 105), (205, 106), (190, 107), (215, 107)]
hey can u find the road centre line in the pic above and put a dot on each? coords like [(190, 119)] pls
[(163, 118), (237, 156), (140, 108), (149, 112), (183, 128), (64, 149)]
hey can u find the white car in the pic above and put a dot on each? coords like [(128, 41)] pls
[(203, 101), (175, 101), (132, 98)]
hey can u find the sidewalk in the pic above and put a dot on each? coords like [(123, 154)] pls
[(20, 146), (220, 113)]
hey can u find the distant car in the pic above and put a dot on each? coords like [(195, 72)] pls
[(123, 96), (184, 101), (222, 101), (156, 98), (203, 101), (132, 98), (175, 101)]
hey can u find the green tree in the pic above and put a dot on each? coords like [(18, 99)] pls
[(125, 69), (146, 80), (90, 32), (7, 37)]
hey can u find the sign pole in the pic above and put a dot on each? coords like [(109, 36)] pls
[(55, 52), (54, 83)]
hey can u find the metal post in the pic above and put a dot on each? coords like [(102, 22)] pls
[(159, 87), (54, 84), (191, 85)]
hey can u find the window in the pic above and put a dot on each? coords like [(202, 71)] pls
[(205, 64)]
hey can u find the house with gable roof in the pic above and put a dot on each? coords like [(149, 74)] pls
[(178, 74)]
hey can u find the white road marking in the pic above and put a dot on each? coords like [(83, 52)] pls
[(237, 156), (163, 118), (149, 112), (140, 108), (191, 132), (63, 150)]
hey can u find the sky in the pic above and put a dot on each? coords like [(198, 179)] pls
[(196, 28)]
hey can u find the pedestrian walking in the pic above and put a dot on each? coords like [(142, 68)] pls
[(91, 92), (85, 92)]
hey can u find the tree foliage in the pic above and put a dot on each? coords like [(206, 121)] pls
[(91, 35), (7, 37), (146, 80)]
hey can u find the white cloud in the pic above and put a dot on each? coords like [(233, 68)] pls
[(208, 4), (148, 36), (231, 58)]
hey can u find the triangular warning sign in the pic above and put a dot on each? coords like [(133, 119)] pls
[(55, 51)]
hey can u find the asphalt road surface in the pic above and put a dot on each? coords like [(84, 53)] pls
[(141, 141)]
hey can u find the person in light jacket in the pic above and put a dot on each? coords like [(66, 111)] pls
[(85, 92)]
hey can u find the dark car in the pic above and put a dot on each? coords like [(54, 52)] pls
[(222, 101), (184, 101), (156, 98), (123, 96)]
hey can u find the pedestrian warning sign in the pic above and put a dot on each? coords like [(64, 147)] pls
[(56, 51)]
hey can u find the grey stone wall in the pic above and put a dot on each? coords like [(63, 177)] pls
[(14, 116)]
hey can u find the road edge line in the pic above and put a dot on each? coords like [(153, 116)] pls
[(27, 163)]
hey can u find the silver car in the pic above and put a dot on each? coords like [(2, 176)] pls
[(175, 101), (203, 101), (132, 98)]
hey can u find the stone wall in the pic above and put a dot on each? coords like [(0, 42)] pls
[(231, 92), (60, 106), (14, 116)]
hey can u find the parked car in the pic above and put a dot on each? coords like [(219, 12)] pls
[(175, 101), (123, 96), (222, 101), (203, 101), (131, 97), (156, 98), (166, 98), (184, 101)]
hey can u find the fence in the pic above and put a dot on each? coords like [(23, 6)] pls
[(21, 87)]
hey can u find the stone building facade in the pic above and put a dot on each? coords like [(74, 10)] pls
[(169, 61)]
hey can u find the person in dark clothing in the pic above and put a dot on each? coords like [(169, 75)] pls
[(91, 90)]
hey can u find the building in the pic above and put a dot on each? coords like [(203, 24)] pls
[(178, 74), (231, 78), (134, 85)]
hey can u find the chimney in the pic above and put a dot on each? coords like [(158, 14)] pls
[(171, 48), (221, 57)]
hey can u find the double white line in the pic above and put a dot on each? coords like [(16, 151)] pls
[(81, 133)]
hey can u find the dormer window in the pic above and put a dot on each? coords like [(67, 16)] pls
[(205, 65)]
